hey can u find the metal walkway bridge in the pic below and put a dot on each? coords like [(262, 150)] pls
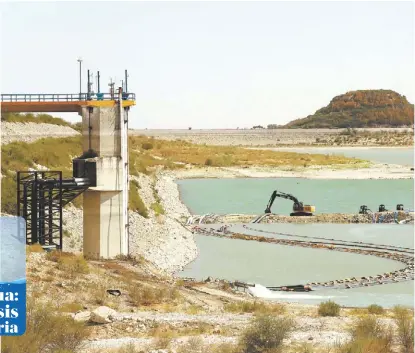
[(67, 102)]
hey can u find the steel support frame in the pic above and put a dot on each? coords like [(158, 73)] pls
[(40, 204)]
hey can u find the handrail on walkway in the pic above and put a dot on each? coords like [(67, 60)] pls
[(66, 97)]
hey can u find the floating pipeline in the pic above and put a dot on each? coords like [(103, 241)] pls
[(400, 254), (347, 242)]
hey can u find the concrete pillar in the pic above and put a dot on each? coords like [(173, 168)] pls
[(104, 230)]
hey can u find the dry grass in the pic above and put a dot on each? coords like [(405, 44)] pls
[(145, 295), (166, 331), (72, 265), (196, 345), (71, 307), (405, 322), (194, 310), (32, 118), (193, 345), (223, 156), (368, 335), (128, 348), (34, 248), (255, 307), (47, 332)]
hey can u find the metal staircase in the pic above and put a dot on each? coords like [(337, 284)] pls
[(41, 196)]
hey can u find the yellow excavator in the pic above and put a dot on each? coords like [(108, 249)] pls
[(298, 208)]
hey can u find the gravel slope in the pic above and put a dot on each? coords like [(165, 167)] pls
[(29, 132)]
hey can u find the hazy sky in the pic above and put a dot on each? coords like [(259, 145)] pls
[(211, 64)]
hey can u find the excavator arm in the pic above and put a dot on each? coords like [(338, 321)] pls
[(282, 195)]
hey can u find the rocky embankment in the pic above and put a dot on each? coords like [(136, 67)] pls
[(161, 239), (286, 137), (30, 132), (377, 217)]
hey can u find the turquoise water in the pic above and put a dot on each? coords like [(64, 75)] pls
[(251, 195), (392, 155), (271, 264), (390, 234)]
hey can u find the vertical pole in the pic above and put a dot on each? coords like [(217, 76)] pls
[(98, 88), (41, 203), (80, 78), (126, 86), (50, 219), (124, 161), (34, 210), (89, 86), (18, 195), (60, 211), (127, 177)]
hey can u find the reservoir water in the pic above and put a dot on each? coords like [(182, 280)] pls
[(251, 195), (275, 265), (271, 264)]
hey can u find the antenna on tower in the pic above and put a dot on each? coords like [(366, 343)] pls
[(111, 85)]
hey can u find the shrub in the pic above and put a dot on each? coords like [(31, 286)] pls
[(254, 307), (375, 309), (405, 322), (368, 336), (136, 204), (266, 333), (208, 162), (46, 332), (157, 208), (34, 248), (192, 345), (328, 308), (147, 146)]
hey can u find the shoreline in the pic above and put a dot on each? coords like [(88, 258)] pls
[(375, 171), (176, 210)]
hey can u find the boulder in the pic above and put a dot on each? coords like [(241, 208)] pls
[(102, 315), (82, 316)]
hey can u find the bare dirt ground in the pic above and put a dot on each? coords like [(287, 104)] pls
[(197, 309), (288, 137)]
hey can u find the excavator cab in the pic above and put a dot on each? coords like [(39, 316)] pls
[(382, 208)]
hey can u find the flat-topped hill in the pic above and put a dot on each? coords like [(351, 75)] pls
[(361, 109)]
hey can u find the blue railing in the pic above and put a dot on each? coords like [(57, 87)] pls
[(51, 97)]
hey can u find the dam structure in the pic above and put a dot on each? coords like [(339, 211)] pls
[(100, 173)]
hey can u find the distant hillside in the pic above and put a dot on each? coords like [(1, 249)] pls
[(360, 109)]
